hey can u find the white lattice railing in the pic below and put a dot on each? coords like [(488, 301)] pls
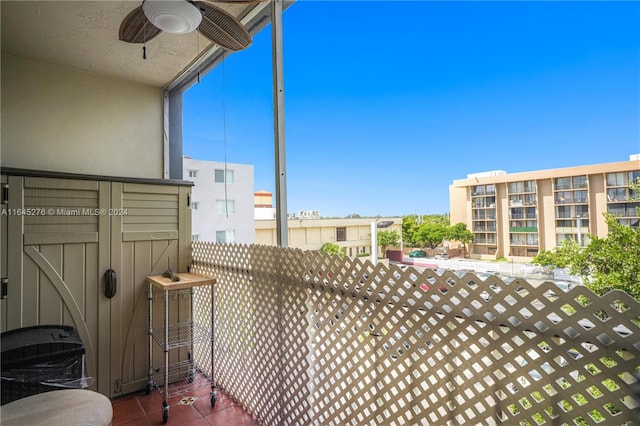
[(302, 338)]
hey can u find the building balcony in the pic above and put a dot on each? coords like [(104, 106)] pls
[(524, 243), (571, 230), (629, 210), (523, 229), (485, 241)]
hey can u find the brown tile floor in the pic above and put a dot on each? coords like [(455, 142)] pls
[(143, 410)]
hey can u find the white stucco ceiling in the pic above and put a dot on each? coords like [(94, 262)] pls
[(84, 35)]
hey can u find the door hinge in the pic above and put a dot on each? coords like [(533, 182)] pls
[(5, 193), (4, 288)]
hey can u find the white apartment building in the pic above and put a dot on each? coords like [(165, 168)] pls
[(222, 201)]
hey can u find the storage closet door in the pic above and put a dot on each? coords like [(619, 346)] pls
[(55, 257), (151, 232)]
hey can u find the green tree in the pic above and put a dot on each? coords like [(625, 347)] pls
[(561, 257), (608, 263), (634, 193), (611, 262), (431, 234), (332, 249), (388, 238), (411, 225), (459, 232), (409, 228), (546, 258), (439, 219)]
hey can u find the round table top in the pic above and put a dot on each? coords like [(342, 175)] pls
[(69, 407)]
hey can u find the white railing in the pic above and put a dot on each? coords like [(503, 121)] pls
[(306, 339)]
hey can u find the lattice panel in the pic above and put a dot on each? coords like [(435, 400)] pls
[(301, 338)]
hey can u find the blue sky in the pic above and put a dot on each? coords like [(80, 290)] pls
[(388, 102)]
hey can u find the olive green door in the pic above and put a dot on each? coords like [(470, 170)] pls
[(62, 235)]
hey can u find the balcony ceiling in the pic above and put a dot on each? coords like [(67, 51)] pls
[(84, 35)]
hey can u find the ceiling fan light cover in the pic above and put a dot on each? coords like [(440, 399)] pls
[(176, 17)]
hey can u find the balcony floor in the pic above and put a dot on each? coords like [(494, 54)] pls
[(142, 410)]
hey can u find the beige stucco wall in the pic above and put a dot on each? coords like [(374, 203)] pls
[(546, 214), (311, 234), (460, 205), (58, 119), (598, 197)]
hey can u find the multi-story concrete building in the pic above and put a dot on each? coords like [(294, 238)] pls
[(353, 235), (222, 201), (519, 214), (263, 205)]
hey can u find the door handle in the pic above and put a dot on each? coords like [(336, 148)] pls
[(110, 283)]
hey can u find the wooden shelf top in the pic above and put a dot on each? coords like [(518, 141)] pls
[(187, 280)]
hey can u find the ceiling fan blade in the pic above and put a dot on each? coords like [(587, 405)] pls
[(233, 1), (222, 28), (136, 28)]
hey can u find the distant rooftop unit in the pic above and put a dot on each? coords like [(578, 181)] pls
[(486, 174), (308, 214), (634, 157)]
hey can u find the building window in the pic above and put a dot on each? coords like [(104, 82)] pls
[(530, 186), (479, 214), (220, 176), (478, 190), (195, 237), (225, 236), (579, 196), (193, 173), (515, 187), (225, 206), (194, 205), (563, 197), (515, 201), (616, 194), (530, 199), (517, 213), (582, 211), (341, 233), (562, 183), (563, 212), (570, 237), (579, 182), (615, 179), (530, 212), (626, 191)]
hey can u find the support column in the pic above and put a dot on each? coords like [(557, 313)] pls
[(278, 111)]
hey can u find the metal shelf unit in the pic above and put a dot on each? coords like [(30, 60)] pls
[(185, 375)]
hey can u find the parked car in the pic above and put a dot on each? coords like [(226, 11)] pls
[(418, 253), (564, 285), (531, 268), (442, 256)]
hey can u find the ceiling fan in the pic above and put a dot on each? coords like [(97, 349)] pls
[(183, 16)]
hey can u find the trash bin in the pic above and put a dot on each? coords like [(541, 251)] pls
[(40, 359)]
